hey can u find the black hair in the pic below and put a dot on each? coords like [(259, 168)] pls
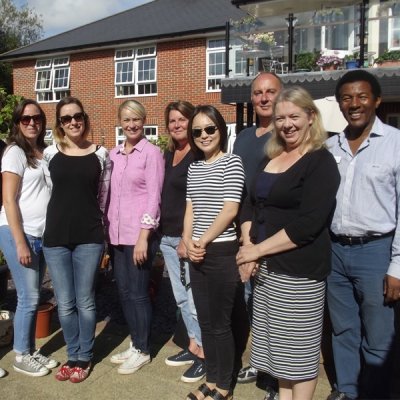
[(359, 75)]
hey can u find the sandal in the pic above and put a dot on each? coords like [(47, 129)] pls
[(215, 395), (203, 389)]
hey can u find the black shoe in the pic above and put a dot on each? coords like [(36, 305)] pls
[(184, 357), (247, 375), (335, 395), (196, 372)]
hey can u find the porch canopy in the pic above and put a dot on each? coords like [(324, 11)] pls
[(268, 8), (320, 84)]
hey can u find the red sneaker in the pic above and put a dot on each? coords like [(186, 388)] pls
[(64, 373), (79, 374)]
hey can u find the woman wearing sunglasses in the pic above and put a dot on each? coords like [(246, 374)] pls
[(214, 191), (133, 216), (173, 203), (22, 220), (74, 235)]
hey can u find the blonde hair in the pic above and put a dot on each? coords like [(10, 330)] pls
[(317, 134), (133, 106)]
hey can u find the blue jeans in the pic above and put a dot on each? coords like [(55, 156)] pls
[(133, 288), (73, 272), (363, 326), (183, 295), (28, 281)]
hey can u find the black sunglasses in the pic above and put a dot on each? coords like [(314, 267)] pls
[(26, 119), (210, 130), (67, 119)]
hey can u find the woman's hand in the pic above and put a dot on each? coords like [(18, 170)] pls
[(247, 270), (24, 254), (182, 250), (247, 254), (140, 251), (195, 250)]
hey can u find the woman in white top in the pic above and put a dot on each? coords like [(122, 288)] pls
[(22, 219)]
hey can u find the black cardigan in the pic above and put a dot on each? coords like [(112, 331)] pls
[(301, 202)]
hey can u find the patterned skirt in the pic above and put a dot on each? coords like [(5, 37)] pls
[(287, 325)]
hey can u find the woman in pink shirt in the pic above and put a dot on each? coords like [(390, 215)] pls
[(133, 215)]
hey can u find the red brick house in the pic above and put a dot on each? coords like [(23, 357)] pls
[(155, 53)]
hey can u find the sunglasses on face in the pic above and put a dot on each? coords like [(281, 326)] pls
[(210, 130), (67, 119), (26, 119)]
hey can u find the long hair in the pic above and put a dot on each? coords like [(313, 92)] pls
[(58, 131), (317, 134), (216, 117), (186, 109), (16, 137)]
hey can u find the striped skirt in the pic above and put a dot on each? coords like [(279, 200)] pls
[(287, 325)]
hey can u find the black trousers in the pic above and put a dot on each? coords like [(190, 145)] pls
[(215, 283)]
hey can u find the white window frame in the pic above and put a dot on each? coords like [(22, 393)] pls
[(134, 57), (213, 81), (47, 80), (148, 132), (393, 31)]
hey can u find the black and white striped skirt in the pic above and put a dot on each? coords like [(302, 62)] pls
[(287, 325)]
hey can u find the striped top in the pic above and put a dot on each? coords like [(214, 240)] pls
[(209, 185)]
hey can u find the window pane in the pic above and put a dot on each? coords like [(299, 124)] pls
[(124, 72), (146, 70), (43, 80), (61, 78)]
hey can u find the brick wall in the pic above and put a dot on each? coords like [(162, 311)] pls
[(181, 74)]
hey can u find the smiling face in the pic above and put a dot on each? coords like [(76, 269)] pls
[(75, 129), (265, 89), (177, 127), (132, 125), (358, 105), (32, 130), (292, 124), (209, 144)]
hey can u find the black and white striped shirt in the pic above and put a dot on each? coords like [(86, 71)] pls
[(208, 186)]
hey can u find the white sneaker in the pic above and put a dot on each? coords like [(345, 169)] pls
[(47, 362), (120, 358), (2, 372), (30, 366), (136, 361)]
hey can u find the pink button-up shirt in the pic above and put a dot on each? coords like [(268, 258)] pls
[(135, 196)]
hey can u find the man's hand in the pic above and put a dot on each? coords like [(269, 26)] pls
[(391, 289), (247, 270)]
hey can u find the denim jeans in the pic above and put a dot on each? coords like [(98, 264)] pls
[(27, 280), (183, 295), (215, 284), (73, 272), (363, 326), (133, 288)]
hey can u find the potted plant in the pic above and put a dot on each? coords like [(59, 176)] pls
[(350, 61), (329, 62), (306, 61), (389, 58)]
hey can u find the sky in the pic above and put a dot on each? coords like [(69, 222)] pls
[(62, 15)]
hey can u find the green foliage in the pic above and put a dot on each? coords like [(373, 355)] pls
[(7, 105), (392, 55), (161, 142), (306, 60), (18, 27)]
